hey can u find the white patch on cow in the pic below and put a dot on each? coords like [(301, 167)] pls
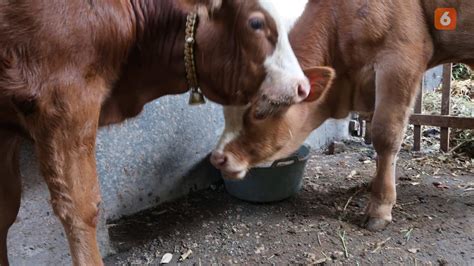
[(233, 116), (290, 11), (283, 70)]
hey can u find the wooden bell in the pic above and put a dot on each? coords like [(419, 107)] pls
[(196, 97)]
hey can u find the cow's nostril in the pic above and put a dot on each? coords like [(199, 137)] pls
[(303, 92), (224, 160), (218, 159)]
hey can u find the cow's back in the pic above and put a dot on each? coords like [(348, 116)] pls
[(58, 33), (452, 45), (45, 44), (366, 27)]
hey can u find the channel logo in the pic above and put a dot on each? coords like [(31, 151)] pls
[(445, 18)]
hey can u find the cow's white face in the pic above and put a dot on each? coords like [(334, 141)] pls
[(243, 56), (284, 74), (233, 116)]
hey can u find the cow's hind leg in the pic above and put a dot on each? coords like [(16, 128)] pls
[(396, 92), (10, 188), (64, 129)]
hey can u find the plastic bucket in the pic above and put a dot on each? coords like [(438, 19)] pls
[(281, 180)]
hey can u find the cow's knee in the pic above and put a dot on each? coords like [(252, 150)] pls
[(76, 213), (387, 137)]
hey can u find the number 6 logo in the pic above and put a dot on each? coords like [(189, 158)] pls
[(445, 18)]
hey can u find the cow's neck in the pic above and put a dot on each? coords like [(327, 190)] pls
[(314, 40), (314, 34), (159, 49), (155, 65)]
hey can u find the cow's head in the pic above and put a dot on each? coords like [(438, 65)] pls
[(242, 51), (248, 140)]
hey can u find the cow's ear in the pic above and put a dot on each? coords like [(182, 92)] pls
[(320, 79), (210, 5)]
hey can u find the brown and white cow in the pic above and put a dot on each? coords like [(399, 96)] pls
[(67, 67), (379, 50)]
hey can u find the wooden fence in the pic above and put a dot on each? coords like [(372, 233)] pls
[(445, 121)]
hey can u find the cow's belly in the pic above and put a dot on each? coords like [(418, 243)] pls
[(351, 92), (363, 86), (364, 100)]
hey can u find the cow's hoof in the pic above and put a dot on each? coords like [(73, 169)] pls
[(375, 224)]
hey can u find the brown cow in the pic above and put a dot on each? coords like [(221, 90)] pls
[(67, 67), (379, 50)]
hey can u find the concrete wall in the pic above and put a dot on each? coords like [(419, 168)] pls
[(156, 157)]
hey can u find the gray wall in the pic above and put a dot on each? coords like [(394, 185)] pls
[(156, 157), (145, 161)]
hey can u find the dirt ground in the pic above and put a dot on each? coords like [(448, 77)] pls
[(433, 219)]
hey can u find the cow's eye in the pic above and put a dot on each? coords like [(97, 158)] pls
[(256, 23)]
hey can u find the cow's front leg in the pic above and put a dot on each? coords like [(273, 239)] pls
[(396, 90), (10, 188), (383, 193), (64, 129)]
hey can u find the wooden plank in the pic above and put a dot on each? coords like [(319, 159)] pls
[(417, 128), (443, 121), (445, 104)]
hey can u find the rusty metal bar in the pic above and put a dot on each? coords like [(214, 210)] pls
[(418, 110), (445, 104)]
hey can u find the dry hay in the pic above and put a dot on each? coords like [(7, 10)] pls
[(462, 104)]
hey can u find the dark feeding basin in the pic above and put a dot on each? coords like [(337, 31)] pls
[(281, 180)]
